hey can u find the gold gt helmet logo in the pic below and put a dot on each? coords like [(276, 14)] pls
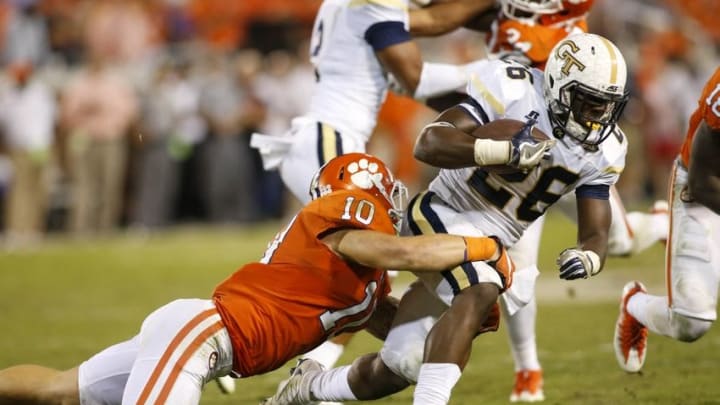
[(565, 52)]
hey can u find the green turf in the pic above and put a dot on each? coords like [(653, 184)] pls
[(68, 299)]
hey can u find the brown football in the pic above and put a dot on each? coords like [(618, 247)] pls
[(503, 130)]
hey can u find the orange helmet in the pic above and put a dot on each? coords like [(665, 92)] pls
[(365, 173)]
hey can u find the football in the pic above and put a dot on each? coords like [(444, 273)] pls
[(503, 130)]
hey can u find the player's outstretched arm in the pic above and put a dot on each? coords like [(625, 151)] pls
[(588, 257), (413, 253), (417, 78), (704, 170), (441, 18)]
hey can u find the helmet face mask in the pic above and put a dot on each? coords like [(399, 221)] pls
[(529, 11), (585, 88), (365, 173)]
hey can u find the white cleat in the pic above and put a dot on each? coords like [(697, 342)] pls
[(226, 384), (296, 389), (630, 340)]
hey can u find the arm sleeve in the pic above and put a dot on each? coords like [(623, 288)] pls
[(386, 33), (381, 25), (598, 191)]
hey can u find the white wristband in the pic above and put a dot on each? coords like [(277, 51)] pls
[(489, 152), (594, 262)]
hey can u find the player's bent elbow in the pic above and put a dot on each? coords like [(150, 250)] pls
[(423, 147)]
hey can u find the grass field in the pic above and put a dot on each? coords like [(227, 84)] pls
[(66, 300)]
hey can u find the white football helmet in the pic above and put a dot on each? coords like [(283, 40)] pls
[(585, 88), (529, 10)]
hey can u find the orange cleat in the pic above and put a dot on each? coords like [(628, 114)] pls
[(630, 341), (528, 386)]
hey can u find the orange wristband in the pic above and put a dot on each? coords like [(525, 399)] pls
[(481, 248)]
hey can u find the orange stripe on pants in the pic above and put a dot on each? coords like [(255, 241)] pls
[(180, 364), (669, 244), (169, 351)]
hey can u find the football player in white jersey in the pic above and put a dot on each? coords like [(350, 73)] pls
[(355, 47), (526, 30), (578, 100), (692, 268)]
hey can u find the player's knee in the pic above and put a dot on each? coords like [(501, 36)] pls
[(476, 299), (690, 329), (404, 346), (403, 360), (370, 378)]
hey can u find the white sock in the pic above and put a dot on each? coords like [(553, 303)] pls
[(521, 331), (326, 354), (332, 385), (652, 311), (435, 383)]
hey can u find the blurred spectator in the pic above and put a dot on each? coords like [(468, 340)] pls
[(98, 108), (64, 20), (170, 125), (227, 163), (120, 31), (27, 118), (25, 36), (667, 91)]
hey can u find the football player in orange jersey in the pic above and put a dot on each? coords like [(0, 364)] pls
[(528, 29), (322, 275), (693, 250)]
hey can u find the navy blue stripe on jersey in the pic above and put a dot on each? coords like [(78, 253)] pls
[(475, 109), (386, 33), (320, 150), (597, 191), (329, 143), (338, 144), (430, 215), (414, 228), (471, 273)]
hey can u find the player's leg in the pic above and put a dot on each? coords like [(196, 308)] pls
[(449, 343), (470, 291), (33, 384), (692, 277), (183, 345), (520, 310), (99, 380)]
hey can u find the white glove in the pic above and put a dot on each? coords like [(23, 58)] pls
[(576, 263), (526, 152)]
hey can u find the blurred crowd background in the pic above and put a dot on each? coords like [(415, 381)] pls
[(136, 114)]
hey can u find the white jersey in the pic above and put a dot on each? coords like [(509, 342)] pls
[(351, 82), (505, 205)]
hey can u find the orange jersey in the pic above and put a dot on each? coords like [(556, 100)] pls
[(708, 110), (537, 40), (301, 293)]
